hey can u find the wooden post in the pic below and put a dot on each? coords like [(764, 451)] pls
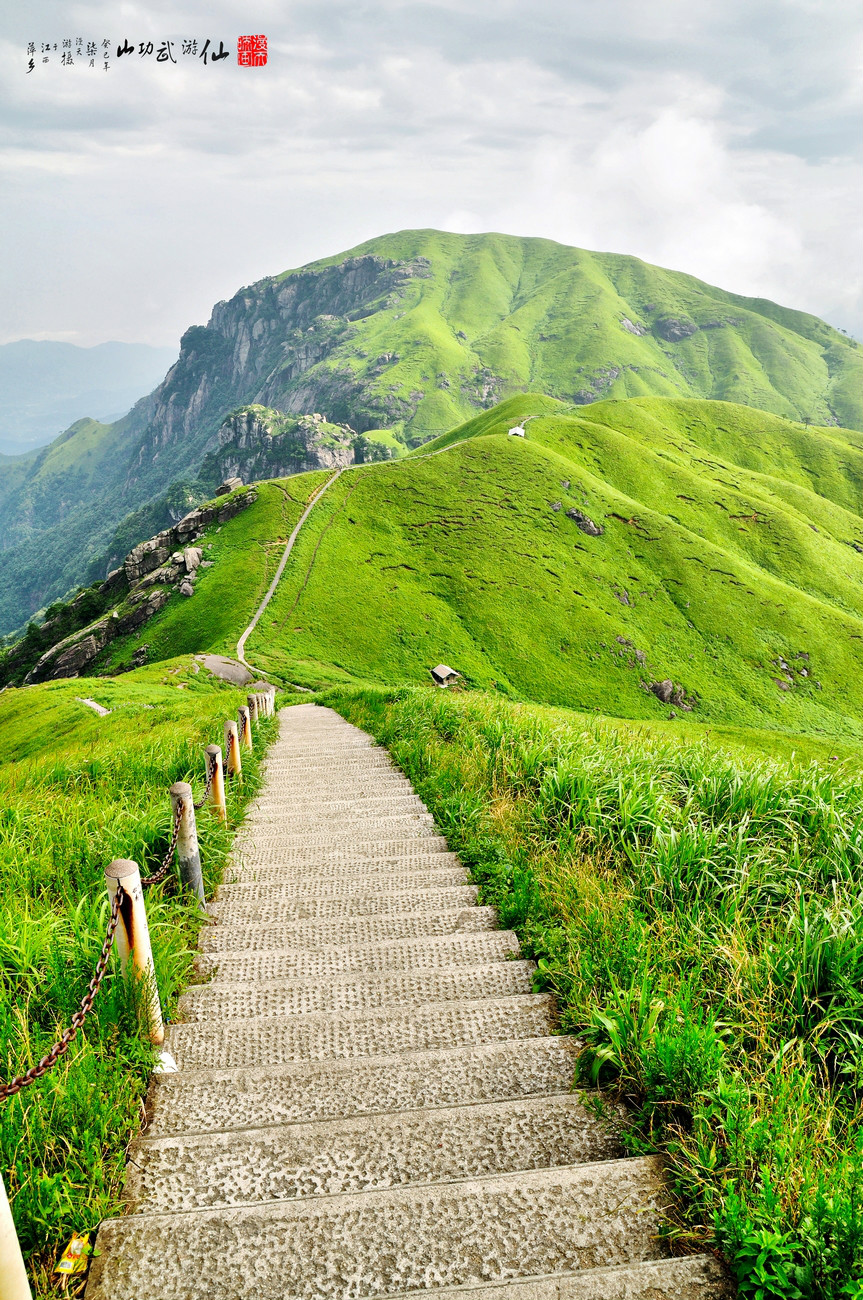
[(217, 788), (233, 762), (13, 1275), (132, 938), (269, 701), (244, 722), (252, 701), (188, 855)]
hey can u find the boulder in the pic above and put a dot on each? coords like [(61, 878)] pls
[(136, 617), (674, 328), (192, 557), (229, 485), (186, 589), (115, 582), (148, 555), (584, 523), (663, 690)]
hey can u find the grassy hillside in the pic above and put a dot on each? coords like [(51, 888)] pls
[(729, 563), (405, 337), (76, 791), (698, 918), (486, 316), (714, 568)]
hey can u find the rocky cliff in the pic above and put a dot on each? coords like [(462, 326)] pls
[(127, 598)]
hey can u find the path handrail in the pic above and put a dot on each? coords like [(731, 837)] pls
[(124, 899)]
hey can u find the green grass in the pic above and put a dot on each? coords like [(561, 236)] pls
[(430, 329), (76, 791), (697, 912), (728, 547), (244, 554), (532, 315)]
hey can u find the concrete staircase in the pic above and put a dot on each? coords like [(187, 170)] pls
[(370, 1100)]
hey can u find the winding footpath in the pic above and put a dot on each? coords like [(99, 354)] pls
[(271, 590), (370, 1101)]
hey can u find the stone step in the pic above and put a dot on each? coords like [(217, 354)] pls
[(328, 792), (374, 958), (198, 1101), (283, 1162), (284, 769), (273, 1040), (343, 832), (307, 884), (367, 851), (358, 930), (222, 998), (376, 1243), (337, 867), (267, 910), (372, 778), (695, 1277), (286, 809), (317, 820)]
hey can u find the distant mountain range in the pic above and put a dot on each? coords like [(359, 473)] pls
[(400, 340), (45, 386)]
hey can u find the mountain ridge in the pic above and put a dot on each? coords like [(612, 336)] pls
[(410, 333)]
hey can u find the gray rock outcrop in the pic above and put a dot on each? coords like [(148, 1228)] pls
[(150, 571), (585, 523)]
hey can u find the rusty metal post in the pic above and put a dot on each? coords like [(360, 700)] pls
[(13, 1275), (233, 762), (132, 938), (252, 701), (244, 722), (188, 854), (217, 788)]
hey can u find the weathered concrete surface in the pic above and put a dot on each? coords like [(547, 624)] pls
[(372, 1243), (361, 929), (260, 1040), (370, 1100), (223, 999), (195, 1101), (275, 910), (377, 958), (382, 1150), (697, 1277)]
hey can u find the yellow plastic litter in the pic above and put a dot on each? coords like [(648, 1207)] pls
[(74, 1257)]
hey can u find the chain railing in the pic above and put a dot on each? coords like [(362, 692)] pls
[(212, 764), (258, 705), (50, 1059)]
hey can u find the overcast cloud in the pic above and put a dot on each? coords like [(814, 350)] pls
[(718, 138)]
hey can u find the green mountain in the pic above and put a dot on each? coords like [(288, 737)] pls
[(640, 558), (402, 338)]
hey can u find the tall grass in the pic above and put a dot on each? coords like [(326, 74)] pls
[(700, 918), (65, 812)]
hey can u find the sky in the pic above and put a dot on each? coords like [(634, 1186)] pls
[(718, 137)]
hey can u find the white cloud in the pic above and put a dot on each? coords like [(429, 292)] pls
[(707, 138)]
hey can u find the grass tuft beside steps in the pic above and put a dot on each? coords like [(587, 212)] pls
[(699, 914)]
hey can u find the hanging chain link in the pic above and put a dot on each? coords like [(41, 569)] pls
[(50, 1059), (61, 1045), (212, 763), (166, 861)]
